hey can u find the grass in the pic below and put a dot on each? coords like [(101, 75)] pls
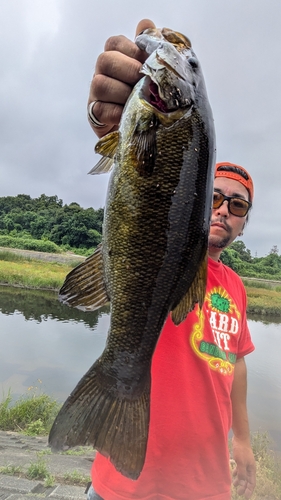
[(25, 271), (33, 273), (18, 270), (263, 301), (39, 470), (11, 470), (32, 414), (268, 470), (76, 478), (24, 415)]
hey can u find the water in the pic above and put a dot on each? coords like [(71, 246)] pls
[(49, 346)]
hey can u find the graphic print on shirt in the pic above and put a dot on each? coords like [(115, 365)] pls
[(217, 346)]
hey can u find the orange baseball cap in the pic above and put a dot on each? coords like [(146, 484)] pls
[(245, 179)]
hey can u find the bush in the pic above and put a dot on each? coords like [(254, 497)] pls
[(32, 414), (29, 244)]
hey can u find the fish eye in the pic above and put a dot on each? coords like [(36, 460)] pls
[(193, 62)]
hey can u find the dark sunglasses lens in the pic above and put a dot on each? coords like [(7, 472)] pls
[(238, 207), (217, 200)]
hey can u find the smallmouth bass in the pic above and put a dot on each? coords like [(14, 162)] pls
[(152, 260)]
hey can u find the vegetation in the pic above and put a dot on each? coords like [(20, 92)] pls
[(25, 414), (239, 258), (29, 244), (45, 223), (32, 414), (76, 478), (263, 300), (31, 273), (39, 470), (268, 470)]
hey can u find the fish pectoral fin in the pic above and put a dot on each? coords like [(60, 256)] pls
[(102, 167), (196, 293), (98, 414), (144, 144), (84, 286), (106, 147)]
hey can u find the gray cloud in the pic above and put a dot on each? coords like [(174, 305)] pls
[(48, 51)]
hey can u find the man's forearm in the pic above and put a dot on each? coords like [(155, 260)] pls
[(240, 423)]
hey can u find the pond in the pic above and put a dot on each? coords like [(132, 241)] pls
[(46, 346)]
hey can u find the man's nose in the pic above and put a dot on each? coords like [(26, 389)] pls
[(223, 209)]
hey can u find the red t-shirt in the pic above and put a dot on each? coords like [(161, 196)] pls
[(190, 415)]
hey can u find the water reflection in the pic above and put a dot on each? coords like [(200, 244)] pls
[(264, 377), (43, 340), (42, 305)]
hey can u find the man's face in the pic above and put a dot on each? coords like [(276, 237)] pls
[(225, 227)]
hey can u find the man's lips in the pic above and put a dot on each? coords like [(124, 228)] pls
[(220, 225)]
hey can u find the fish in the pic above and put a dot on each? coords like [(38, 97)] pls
[(152, 258)]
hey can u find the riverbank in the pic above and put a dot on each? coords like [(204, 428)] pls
[(36, 270), (29, 469), (47, 271)]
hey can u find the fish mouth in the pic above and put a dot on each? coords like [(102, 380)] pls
[(151, 93), (155, 99)]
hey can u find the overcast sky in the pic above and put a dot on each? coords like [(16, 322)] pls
[(48, 51)]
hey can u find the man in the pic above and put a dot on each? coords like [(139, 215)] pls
[(198, 370)]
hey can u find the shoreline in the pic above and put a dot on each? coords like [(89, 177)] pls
[(253, 309), (41, 271)]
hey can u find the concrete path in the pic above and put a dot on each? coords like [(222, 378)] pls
[(18, 452)]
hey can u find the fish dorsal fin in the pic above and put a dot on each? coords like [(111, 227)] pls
[(84, 286), (176, 38), (196, 293), (106, 147)]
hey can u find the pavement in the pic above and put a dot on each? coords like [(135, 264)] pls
[(18, 452)]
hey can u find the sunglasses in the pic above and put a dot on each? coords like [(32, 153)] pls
[(236, 206)]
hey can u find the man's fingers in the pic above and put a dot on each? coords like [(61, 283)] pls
[(118, 66), (144, 24), (123, 45)]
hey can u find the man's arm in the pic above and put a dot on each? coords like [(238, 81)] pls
[(245, 471)]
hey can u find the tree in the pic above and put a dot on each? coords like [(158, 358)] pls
[(274, 250), (240, 247)]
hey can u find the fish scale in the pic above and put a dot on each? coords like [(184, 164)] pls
[(152, 260)]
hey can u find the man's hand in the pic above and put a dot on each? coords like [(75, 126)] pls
[(244, 474), (117, 71)]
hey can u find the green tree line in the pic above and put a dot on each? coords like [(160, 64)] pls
[(239, 258), (47, 218)]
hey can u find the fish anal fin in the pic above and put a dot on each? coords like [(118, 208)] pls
[(107, 147), (113, 423), (196, 293), (84, 286)]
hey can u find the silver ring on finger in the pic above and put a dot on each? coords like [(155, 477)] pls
[(92, 118)]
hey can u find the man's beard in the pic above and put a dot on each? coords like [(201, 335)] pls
[(219, 244), (216, 242)]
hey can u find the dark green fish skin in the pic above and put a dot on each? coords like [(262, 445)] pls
[(153, 255)]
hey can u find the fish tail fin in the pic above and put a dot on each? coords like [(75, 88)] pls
[(114, 424)]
